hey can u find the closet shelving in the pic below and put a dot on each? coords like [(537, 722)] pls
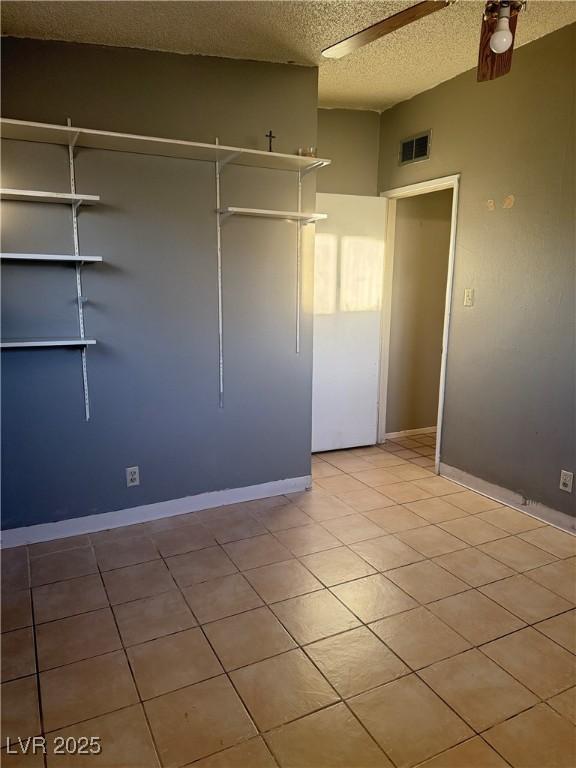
[(302, 166), (36, 196), (50, 258), (219, 154), (304, 218), (33, 343), (62, 258), (154, 145), (75, 201)]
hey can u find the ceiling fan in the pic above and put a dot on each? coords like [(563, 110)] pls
[(496, 34), (497, 38)]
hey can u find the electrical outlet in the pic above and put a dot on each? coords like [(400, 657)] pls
[(132, 476), (468, 297), (566, 480)]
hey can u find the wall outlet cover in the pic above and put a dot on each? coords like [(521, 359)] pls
[(468, 297), (132, 476), (566, 480)]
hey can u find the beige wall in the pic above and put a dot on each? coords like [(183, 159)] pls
[(350, 139), (160, 94), (510, 392), (421, 248)]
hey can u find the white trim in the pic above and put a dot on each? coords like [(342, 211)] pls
[(510, 498), (420, 188), (15, 537), (447, 318), (409, 432), (386, 318)]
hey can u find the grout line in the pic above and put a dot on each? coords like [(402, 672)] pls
[(142, 707), (306, 656), (225, 672), (479, 648), (474, 737), (37, 670), (88, 719), (455, 712), (509, 634), (365, 729), (522, 618), (482, 738)]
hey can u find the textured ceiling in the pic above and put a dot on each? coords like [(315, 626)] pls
[(393, 69)]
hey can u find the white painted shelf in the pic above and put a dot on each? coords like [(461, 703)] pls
[(221, 155), (306, 218), (59, 257), (30, 343), (36, 196), (153, 145)]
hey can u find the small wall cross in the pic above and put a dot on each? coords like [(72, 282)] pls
[(270, 136)]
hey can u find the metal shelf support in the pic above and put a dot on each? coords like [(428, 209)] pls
[(219, 215), (79, 296), (300, 218), (298, 264)]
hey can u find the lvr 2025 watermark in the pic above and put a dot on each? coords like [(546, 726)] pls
[(58, 745)]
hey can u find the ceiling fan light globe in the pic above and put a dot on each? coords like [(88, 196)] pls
[(502, 38)]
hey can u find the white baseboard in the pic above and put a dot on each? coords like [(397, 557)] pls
[(15, 537), (510, 498), (408, 432)]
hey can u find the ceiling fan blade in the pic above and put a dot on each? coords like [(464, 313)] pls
[(384, 27), (492, 65)]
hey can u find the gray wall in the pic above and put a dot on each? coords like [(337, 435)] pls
[(421, 248), (350, 138), (510, 395), (152, 305)]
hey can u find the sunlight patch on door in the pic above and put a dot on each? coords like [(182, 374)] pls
[(325, 274), (361, 274)]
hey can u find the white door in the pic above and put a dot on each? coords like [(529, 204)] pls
[(348, 276)]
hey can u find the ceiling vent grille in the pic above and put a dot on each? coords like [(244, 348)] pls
[(415, 148)]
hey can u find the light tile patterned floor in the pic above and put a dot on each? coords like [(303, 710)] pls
[(386, 618)]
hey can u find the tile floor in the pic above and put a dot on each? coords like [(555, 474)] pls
[(386, 618)]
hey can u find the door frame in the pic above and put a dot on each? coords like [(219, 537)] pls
[(392, 195)]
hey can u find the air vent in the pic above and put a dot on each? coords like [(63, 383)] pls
[(415, 148)]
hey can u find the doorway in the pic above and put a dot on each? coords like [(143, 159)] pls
[(420, 247), (382, 313)]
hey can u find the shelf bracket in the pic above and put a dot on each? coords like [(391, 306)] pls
[(73, 139), (313, 167), (229, 158)]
